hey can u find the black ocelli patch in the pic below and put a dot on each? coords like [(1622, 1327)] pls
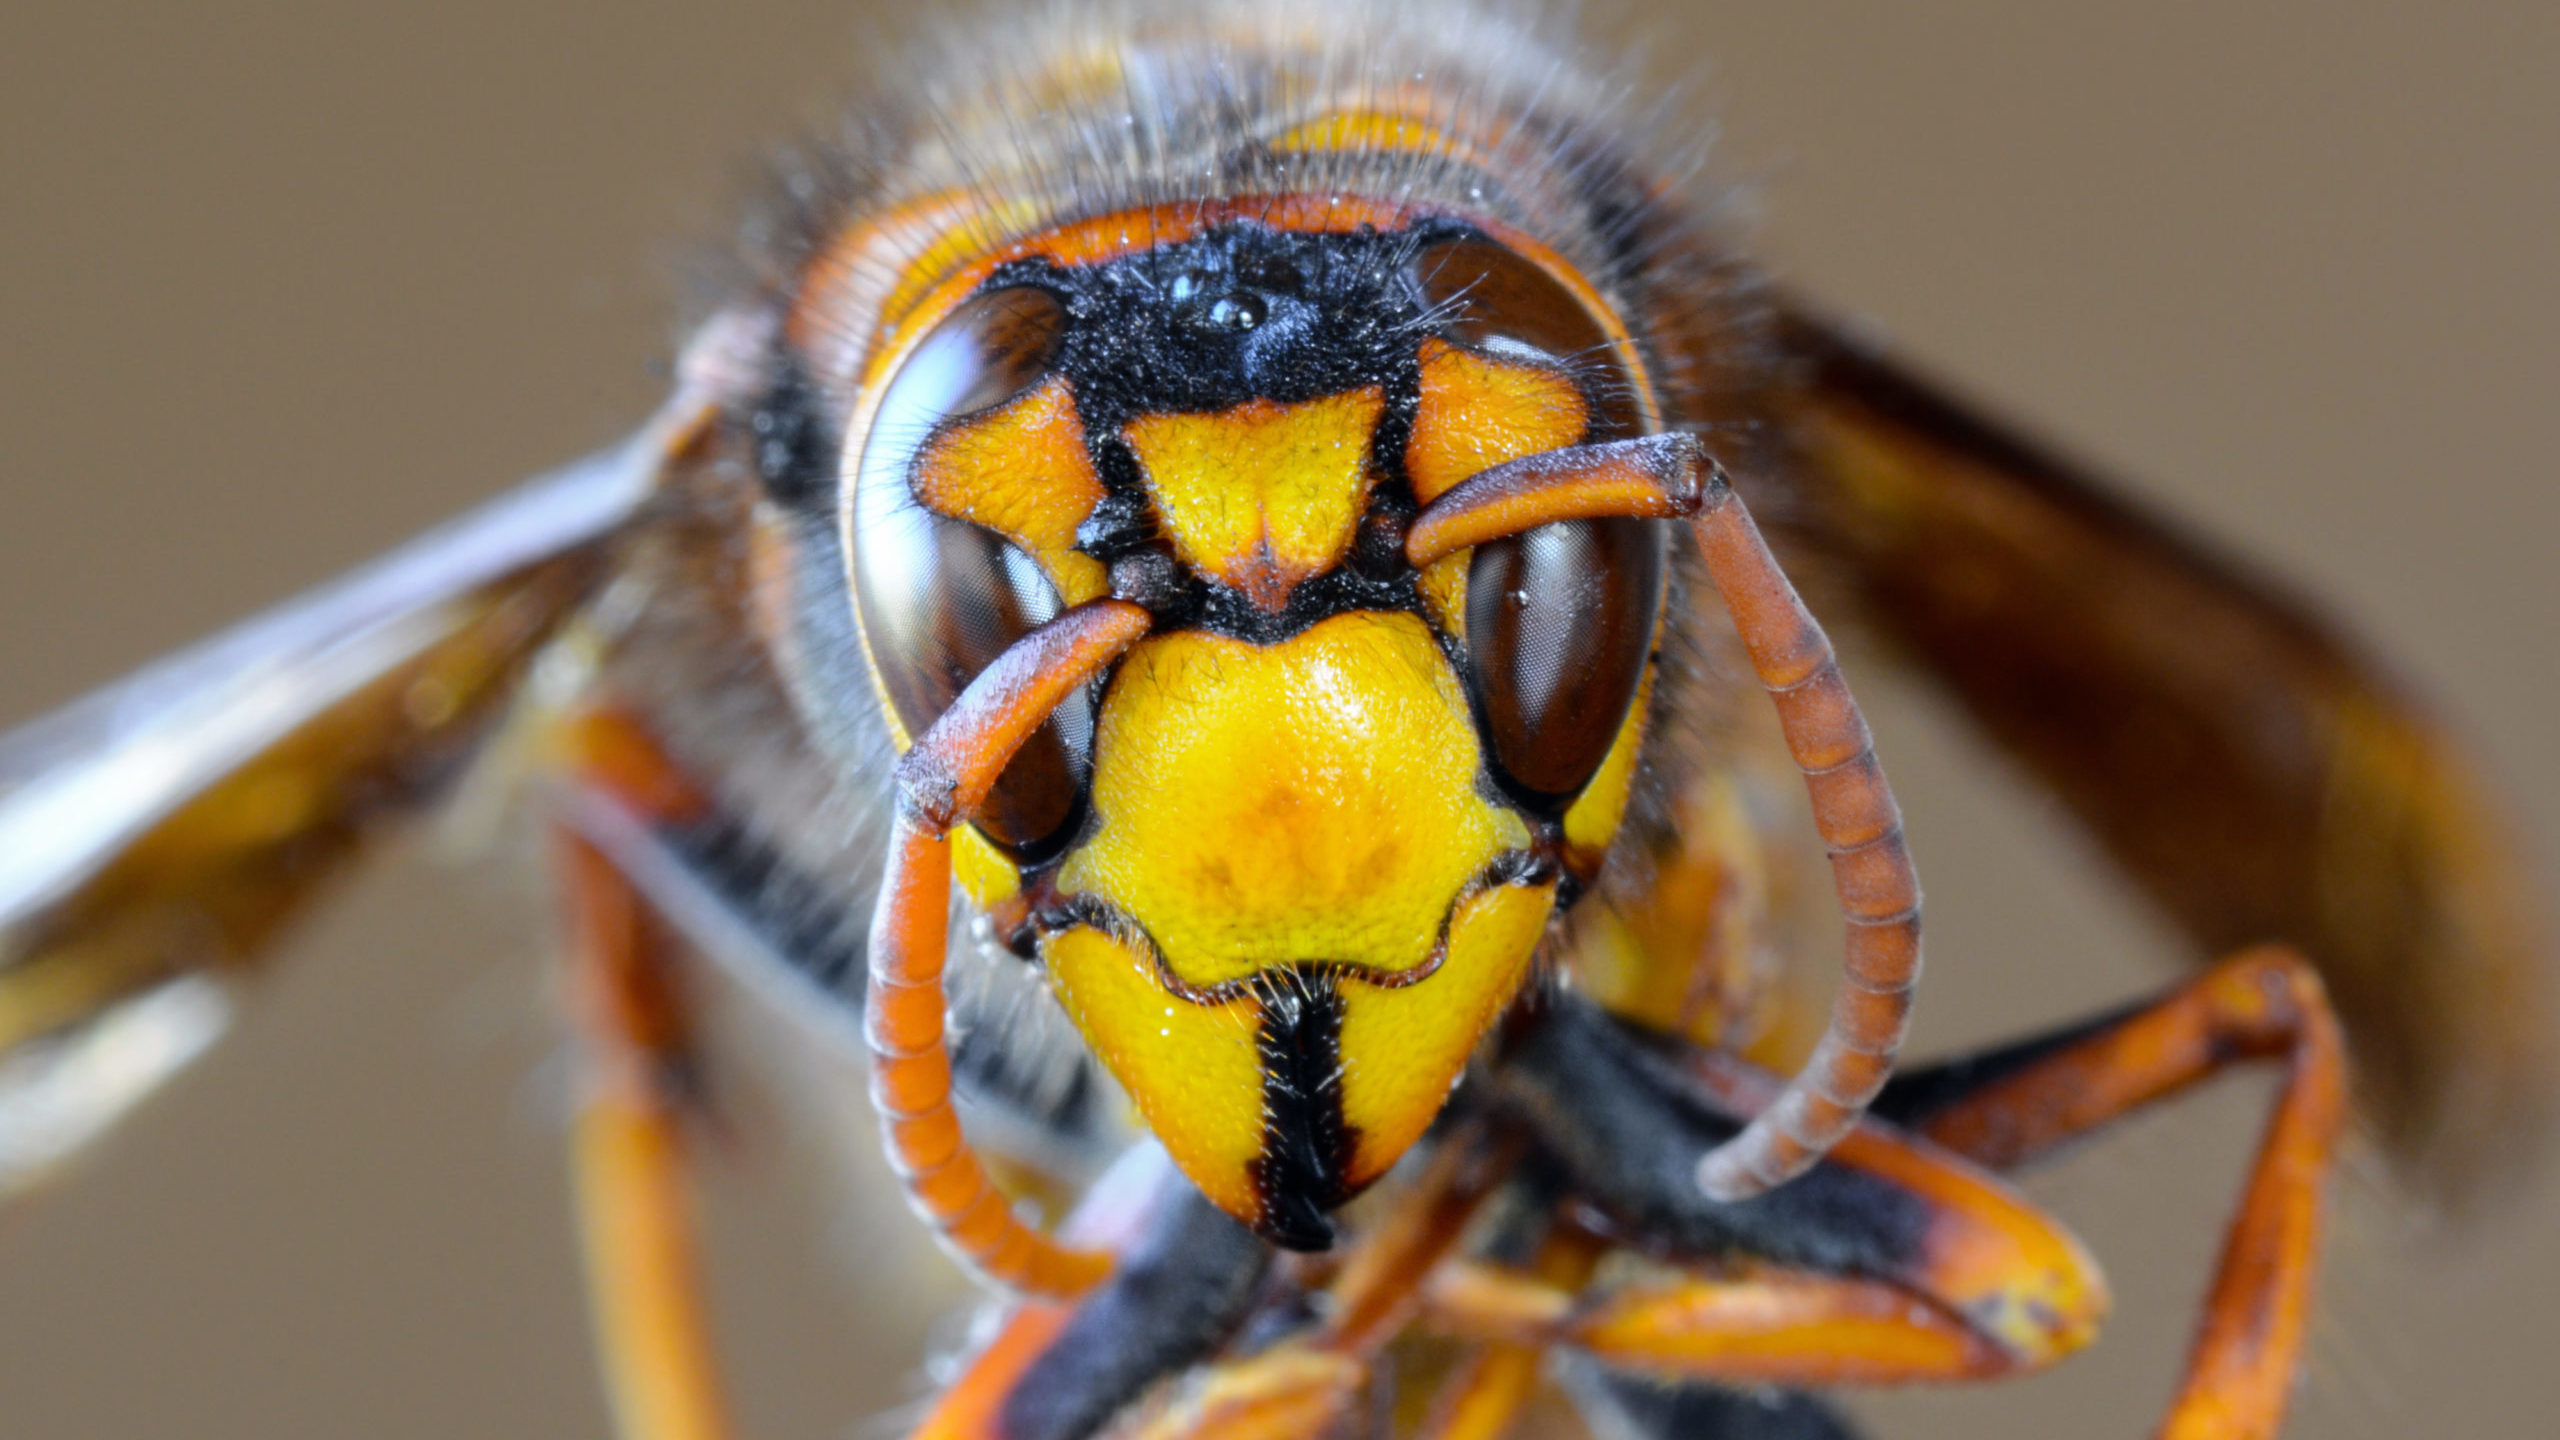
[(1243, 311), (1221, 610), (1302, 1173)]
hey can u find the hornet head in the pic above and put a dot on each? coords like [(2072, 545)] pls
[(1292, 856)]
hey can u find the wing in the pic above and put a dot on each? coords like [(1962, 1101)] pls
[(155, 835), (2247, 766)]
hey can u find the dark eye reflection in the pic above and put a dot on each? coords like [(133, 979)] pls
[(1492, 299), (940, 599), (1560, 622)]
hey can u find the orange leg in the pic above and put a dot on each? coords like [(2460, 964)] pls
[(1375, 1291), (1182, 1276), (1489, 1388), (2264, 1004), (1170, 1302), (635, 1208), (1976, 1283), (2010, 1106), (1485, 1393), (1892, 1261), (1313, 1385), (1762, 1327)]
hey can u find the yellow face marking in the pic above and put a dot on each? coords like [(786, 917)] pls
[(1195, 1071), (1443, 584), (1274, 808), (1402, 1047), (1689, 956), (1022, 471), (982, 871), (1592, 821), (1263, 495), (1477, 413), (1313, 800)]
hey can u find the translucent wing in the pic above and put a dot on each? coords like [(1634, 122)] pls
[(2241, 761), (155, 834)]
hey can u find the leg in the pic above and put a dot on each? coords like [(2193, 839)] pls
[(1757, 1327), (1485, 1393), (1651, 1411), (1488, 1388), (2010, 1106), (1967, 1283), (1627, 1114), (1180, 1292), (1183, 1278), (1314, 1382), (634, 1206)]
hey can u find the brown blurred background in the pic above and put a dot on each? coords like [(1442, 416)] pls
[(280, 288)]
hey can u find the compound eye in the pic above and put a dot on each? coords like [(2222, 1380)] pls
[(1560, 622), (989, 349), (1492, 299), (939, 598)]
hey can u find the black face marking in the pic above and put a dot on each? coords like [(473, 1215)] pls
[(1610, 1103), (1306, 1144), (1319, 597), (1123, 522)]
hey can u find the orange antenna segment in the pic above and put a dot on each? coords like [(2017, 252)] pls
[(1663, 476), (1646, 478), (942, 780), (1855, 813)]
